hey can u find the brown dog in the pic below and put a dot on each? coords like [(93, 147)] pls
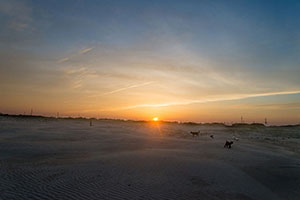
[(195, 133)]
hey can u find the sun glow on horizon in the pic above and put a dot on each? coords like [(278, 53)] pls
[(155, 119)]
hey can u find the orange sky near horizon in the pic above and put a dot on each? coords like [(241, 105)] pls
[(228, 111)]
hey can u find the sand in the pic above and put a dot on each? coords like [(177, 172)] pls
[(69, 159)]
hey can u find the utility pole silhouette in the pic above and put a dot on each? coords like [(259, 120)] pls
[(266, 122), (242, 120)]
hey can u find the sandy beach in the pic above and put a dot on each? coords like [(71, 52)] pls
[(42, 158)]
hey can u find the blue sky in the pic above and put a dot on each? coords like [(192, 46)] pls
[(147, 53)]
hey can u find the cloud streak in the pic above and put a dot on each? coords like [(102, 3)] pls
[(62, 60), (18, 13), (83, 51), (208, 100), (123, 89)]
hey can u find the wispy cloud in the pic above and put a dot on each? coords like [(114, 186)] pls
[(208, 100), (18, 13), (62, 60), (77, 71), (122, 89), (83, 51), (276, 106)]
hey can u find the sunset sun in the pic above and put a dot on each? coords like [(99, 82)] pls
[(155, 119)]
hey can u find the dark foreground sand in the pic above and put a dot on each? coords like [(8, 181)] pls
[(68, 159)]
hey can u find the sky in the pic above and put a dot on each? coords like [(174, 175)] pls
[(192, 60)]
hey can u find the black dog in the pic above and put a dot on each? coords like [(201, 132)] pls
[(228, 144)]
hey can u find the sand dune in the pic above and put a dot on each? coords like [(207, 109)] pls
[(68, 159)]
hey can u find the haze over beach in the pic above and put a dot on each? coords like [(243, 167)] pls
[(203, 61), (149, 100)]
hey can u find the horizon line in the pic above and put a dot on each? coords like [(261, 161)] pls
[(135, 120)]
